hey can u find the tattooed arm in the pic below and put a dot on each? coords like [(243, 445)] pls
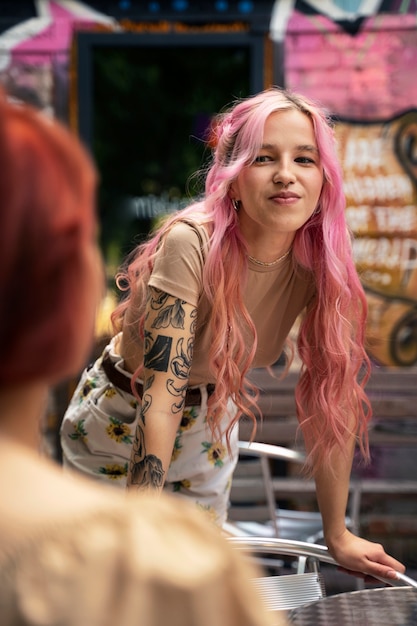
[(168, 350)]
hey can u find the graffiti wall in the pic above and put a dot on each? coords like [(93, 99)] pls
[(363, 73), (380, 170), (35, 53)]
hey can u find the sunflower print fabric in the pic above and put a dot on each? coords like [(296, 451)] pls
[(97, 435)]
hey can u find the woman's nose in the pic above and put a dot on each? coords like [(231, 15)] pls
[(283, 174)]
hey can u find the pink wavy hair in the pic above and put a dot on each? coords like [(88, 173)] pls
[(330, 397)]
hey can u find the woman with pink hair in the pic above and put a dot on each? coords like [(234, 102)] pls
[(215, 292)]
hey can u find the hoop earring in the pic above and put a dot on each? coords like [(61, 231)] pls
[(235, 204)]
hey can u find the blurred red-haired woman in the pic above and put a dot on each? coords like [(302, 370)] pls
[(73, 552)]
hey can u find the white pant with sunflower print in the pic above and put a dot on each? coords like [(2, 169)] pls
[(97, 435)]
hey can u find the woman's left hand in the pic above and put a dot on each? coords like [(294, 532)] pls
[(363, 558)]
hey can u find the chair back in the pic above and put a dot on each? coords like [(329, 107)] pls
[(254, 509), (290, 591), (306, 584)]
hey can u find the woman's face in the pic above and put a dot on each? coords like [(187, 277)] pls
[(280, 190)]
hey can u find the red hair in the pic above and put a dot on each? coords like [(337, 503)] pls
[(47, 189)]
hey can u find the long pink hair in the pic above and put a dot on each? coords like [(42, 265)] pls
[(330, 397)]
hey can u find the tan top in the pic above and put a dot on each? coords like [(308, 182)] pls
[(88, 556), (274, 295)]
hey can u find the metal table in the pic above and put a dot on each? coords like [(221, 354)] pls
[(385, 606)]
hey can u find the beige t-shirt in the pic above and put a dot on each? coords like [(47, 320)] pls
[(147, 563), (274, 295)]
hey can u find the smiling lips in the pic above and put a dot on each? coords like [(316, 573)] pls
[(285, 197)]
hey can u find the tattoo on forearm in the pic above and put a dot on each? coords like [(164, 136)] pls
[(147, 473), (146, 470)]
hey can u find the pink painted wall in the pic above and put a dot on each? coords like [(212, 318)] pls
[(370, 75)]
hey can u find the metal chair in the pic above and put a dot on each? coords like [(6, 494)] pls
[(254, 510), (306, 583)]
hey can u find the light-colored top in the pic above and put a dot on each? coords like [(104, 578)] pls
[(274, 295), (73, 553)]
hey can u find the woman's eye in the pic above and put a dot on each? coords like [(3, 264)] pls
[(262, 158), (304, 159)]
